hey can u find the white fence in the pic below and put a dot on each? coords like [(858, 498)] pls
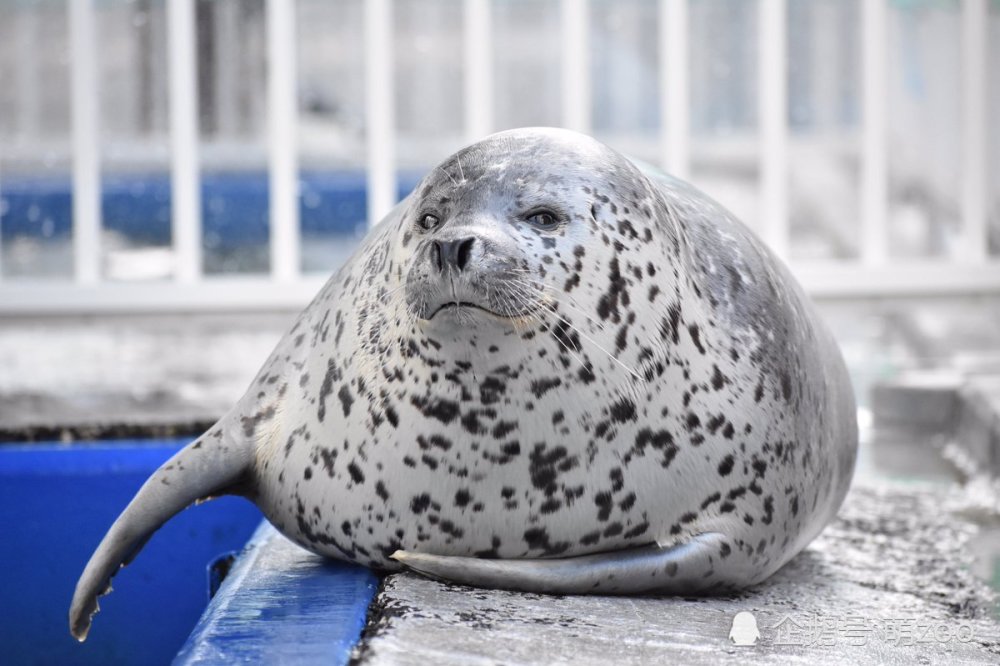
[(873, 274)]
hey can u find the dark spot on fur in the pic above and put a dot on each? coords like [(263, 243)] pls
[(444, 411), (356, 473), (638, 530), (695, 333), (419, 503), (718, 379), (623, 410), (711, 499), (542, 386), (604, 503)]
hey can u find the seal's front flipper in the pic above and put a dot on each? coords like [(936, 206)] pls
[(705, 563), (207, 467)]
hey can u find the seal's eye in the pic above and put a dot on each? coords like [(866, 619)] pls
[(545, 219), (428, 221)]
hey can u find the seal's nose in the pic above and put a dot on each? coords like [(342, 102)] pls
[(453, 254)]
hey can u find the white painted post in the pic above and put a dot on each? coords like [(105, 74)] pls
[(478, 47), (184, 167), (283, 135), (674, 92), (874, 158), (975, 83), (575, 65), (773, 101), (85, 127), (380, 124)]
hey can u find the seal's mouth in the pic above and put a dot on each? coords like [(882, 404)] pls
[(466, 301), (464, 305)]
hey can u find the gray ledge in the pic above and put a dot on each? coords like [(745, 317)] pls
[(886, 582)]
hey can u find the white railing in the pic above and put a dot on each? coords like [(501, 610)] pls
[(185, 179), (283, 140), (379, 108), (975, 53), (86, 160), (874, 147), (874, 274)]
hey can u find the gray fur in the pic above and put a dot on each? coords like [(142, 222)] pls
[(641, 371)]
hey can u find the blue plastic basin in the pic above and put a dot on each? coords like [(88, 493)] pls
[(56, 502)]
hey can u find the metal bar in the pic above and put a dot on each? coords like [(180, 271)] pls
[(215, 294), (773, 100), (874, 163), (674, 90), (86, 160), (478, 48), (975, 83), (575, 65), (184, 168), (380, 124), (899, 278), (283, 134)]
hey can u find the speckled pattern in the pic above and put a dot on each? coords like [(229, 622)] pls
[(544, 352)]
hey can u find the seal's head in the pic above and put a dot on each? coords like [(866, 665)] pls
[(502, 230)]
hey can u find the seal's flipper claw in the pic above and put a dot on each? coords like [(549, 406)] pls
[(704, 563)]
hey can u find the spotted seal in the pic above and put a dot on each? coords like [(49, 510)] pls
[(546, 370)]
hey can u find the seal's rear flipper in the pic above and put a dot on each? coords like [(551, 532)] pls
[(207, 467), (698, 565)]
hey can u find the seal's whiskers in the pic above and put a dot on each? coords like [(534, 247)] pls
[(552, 308)]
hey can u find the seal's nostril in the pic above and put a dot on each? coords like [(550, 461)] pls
[(453, 254), (436, 254), (464, 251)]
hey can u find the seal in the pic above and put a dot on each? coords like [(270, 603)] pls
[(545, 370)]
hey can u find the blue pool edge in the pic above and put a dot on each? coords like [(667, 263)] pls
[(281, 603)]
